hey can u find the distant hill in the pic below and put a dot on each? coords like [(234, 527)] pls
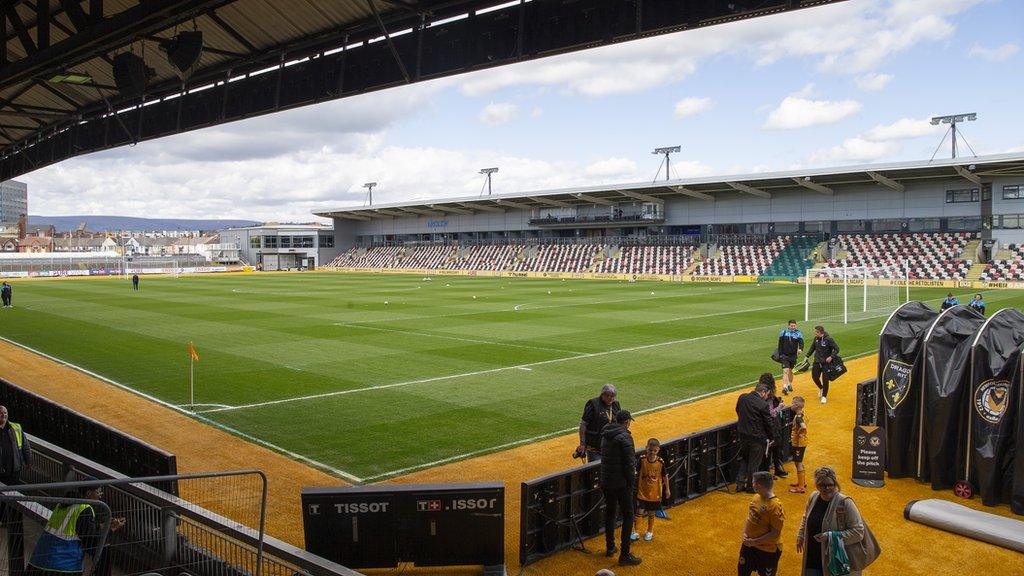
[(102, 223)]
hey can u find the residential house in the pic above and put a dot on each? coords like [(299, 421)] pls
[(78, 244), (35, 244)]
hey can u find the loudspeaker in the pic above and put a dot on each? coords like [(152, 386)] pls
[(130, 74), (183, 51)]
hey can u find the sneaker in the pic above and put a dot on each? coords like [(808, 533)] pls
[(611, 551), (628, 560), (824, 400), (634, 536), (781, 473), (798, 490), (648, 536), (785, 390)]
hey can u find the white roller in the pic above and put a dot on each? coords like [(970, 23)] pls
[(959, 519)]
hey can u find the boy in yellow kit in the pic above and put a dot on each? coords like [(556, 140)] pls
[(798, 441), (652, 482), (761, 551)]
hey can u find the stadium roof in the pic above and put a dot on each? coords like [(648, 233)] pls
[(821, 180), (59, 97)]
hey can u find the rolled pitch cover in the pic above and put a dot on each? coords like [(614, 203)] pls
[(959, 519), (946, 356), (992, 406), (899, 352)]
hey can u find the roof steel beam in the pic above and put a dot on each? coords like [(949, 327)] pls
[(692, 193), (550, 201), (968, 174), (886, 181), (350, 216), (450, 209), (639, 196), (484, 207), (512, 204), (594, 199), (807, 183), (421, 211), (741, 187)]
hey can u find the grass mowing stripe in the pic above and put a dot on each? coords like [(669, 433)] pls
[(198, 416)]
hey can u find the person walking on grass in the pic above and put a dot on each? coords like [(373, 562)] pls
[(760, 551), (824, 349), (798, 441), (651, 487), (135, 282), (791, 345), (6, 292), (618, 480)]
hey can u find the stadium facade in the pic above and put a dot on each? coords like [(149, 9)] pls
[(283, 246), (983, 195)]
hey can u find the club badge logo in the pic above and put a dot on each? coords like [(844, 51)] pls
[(991, 399), (896, 382)]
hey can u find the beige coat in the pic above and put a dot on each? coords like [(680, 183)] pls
[(852, 533)]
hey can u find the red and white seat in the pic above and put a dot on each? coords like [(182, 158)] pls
[(926, 255)]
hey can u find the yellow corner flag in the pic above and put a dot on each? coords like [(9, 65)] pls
[(192, 352)]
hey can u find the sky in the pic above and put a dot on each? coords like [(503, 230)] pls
[(849, 83)]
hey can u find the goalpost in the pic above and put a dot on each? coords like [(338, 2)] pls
[(854, 292)]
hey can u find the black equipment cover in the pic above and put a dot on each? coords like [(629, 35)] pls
[(1016, 451), (899, 377), (995, 360), (945, 387)]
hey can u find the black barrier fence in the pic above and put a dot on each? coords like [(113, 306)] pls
[(82, 435), (867, 402), (560, 510)]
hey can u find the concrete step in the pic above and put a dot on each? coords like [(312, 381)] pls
[(974, 273)]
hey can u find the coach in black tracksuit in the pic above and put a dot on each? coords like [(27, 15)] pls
[(618, 480), (824, 349), (754, 425)]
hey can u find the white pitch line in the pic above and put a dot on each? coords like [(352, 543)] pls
[(482, 372), (446, 337), (547, 435), (196, 415)]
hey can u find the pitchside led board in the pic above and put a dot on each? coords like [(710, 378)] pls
[(426, 524)]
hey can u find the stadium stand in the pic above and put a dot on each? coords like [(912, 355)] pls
[(1008, 269), (935, 256), (644, 259), (742, 259)]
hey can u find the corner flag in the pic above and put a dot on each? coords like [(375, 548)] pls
[(192, 352)]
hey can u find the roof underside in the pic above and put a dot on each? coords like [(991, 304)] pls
[(972, 171), (262, 56)]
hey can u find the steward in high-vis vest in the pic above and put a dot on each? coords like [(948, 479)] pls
[(68, 535), (15, 452)]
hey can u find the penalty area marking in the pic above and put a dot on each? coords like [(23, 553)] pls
[(197, 415)]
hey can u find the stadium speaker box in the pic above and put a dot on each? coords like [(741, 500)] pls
[(183, 50), (130, 74)]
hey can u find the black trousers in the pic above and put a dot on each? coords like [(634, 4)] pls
[(757, 560), (750, 454), (622, 499), (7, 299), (820, 378)]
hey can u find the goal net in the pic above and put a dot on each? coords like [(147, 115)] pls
[(853, 293)]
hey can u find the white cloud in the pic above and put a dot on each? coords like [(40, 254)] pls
[(844, 38), (799, 111), (496, 114), (611, 167), (537, 112), (997, 54), (902, 129), (873, 82), (856, 150), (691, 106)]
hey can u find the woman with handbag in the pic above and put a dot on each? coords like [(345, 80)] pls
[(830, 520)]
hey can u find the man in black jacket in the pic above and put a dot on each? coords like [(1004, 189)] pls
[(754, 426), (597, 413), (618, 478)]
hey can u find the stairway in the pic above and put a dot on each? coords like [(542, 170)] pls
[(792, 262), (974, 274), (970, 251)]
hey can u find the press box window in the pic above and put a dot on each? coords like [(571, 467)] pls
[(966, 195)]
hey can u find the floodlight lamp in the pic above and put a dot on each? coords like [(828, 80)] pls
[(667, 150), (488, 170)]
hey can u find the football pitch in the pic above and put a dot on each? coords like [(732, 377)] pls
[(370, 376)]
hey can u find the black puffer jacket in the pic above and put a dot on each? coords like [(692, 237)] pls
[(822, 348), (618, 457)]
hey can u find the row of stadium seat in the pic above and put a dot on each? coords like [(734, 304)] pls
[(934, 256), (743, 259), (1007, 270)]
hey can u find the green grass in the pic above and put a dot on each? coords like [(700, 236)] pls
[(433, 374)]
